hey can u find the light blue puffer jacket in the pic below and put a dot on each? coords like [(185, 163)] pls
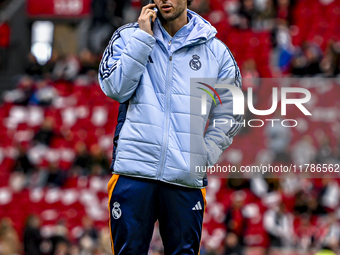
[(163, 137)]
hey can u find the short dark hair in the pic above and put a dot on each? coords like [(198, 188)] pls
[(189, 2)]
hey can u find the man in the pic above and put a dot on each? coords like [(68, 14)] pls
[(147, 68)]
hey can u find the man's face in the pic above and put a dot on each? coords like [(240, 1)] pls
[(171, 9)]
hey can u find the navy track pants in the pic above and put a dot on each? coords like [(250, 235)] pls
[(135, 204)]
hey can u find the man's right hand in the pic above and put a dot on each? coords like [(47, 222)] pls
[(144, 18)]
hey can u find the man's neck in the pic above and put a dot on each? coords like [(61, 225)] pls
[(173, 26)]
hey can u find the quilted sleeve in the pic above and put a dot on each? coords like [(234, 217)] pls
[(123, 63)]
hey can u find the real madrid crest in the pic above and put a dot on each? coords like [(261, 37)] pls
[(116, 211), (194, 63)]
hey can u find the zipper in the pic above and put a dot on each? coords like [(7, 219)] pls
[(166, 127), (167, 120)]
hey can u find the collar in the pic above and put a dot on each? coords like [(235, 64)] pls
[(181, 32)]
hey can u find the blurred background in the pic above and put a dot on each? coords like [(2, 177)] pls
[(57, 126)]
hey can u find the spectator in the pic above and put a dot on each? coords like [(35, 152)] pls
[(307, 61), (283, 9), (314, 206), (87, 62), (33, 68), (267, 15), (9, 240), (22, 170), (55, 176), (237, 182), (327, 66), (45, 133), (23, 92), (200, 6), (22, 162), (104, 241), (324, 153), (301, 203), (66, 68), (334, 51), (298, 64), (329, 193), (303, 151), (99, 158), (247, 14), (234, 220), (82, 161), (306, 234), (278, 222), (32, 238), (89, 229), (50, 64), (331, 238), (86, 245), (44, 94), (232, 245), (74, 250), (96, 170), (313, 56), (59, 239), (61, 248), (283, 43), (250, 77)]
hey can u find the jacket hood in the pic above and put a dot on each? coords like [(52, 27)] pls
[(198, 30)]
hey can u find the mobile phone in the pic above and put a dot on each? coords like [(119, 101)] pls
[(155, 9)]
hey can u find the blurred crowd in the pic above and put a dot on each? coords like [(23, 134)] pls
[(37, 87), (304, 151), (89, 240), (257, 216), (309, 60), (316, 56), (288, 216)]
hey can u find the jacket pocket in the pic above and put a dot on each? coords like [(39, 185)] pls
[(203, 153)]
